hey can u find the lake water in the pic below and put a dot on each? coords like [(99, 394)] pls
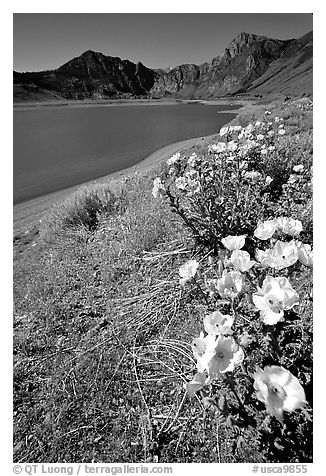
[(58, 147)]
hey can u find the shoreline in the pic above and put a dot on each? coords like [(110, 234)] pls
[(27, 106), (29, 212)]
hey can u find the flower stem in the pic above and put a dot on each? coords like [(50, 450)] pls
[(275, 343), (201, 291)]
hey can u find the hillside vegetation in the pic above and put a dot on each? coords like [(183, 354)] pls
[(114, 289)]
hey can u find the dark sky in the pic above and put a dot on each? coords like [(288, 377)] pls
[(46, 41)]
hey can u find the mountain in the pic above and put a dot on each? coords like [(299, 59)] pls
[(251, 64)]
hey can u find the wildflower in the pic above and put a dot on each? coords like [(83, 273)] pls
[(196, 384), (192, 160), (275, 297), (265, 230), (268, 180), (305, 254), (232, 146), (171, 170), (241, 260), (219, 147), (281, 132), (250, 128), (271, 147), (181, 183), (246, 339), (279, 390), (175, 157), (298, 168), (270, 133), (277, 119), (236, 128), (250, 144), (188, 270), (258, 123), (230, 284), (253, 175), (233, 242), (218, 324), (203, 349), (268, 113), (292, 179), (289, 226), (223, 131), (227, 355), (260, 136), (263, 151), (282, 255), (157, 187), (216, 355)]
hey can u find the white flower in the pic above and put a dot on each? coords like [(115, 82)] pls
[(270, 133), (281, 132), (192, 160), (218, 148), (268, 180), (232, 146), (246, 339), (216, 355), (260, 136), (233, 242), (289, 226), (181, 183), (305, 254), (196, 384), (241, 260), (223, 131), (268, 113), (275, 296), (271, 147), (174, 158), (230, 284), (282, 255), (263, 151), (277, 119), (292, 179), (188, 270), (279, 390), (236, 128), (298, 168), (253, 175), (258, 123), (203, 349), (157, 187), (226, 357), (265, 230), (217, 323)]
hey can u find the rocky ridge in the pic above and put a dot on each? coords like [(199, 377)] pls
[(251, 64)]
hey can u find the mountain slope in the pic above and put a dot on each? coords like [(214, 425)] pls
[(251, 64)]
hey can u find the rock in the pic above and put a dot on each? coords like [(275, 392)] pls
[(248, 63)]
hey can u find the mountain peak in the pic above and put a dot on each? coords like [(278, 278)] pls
[(250, 63), (90, 54)]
